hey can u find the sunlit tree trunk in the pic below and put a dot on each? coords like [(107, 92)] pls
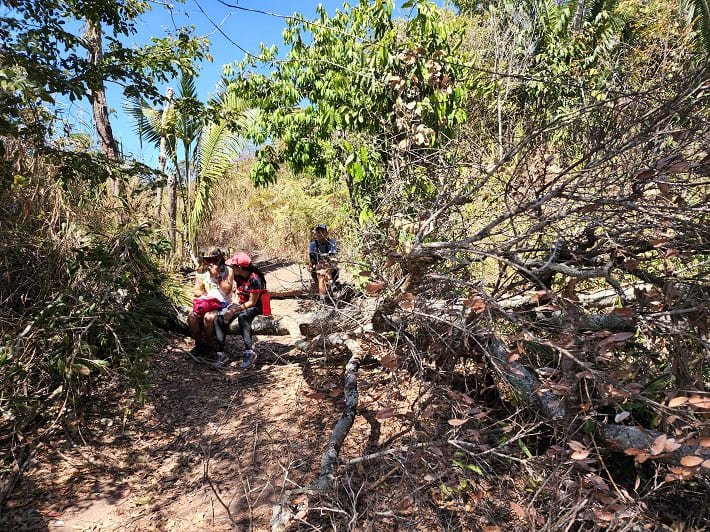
[(163, 156), (98, 100), (172, 207)]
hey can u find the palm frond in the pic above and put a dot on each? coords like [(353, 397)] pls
[(701, 21), (145, 120), (219, 148)]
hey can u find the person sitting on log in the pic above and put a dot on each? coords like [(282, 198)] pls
[(321, 253), (212, 295), (250, 286)]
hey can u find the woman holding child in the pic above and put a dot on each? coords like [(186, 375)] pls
[(212, 295)]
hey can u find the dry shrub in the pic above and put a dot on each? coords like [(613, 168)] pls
[(276, 221)]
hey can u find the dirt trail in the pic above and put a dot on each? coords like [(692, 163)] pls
[(204, 439)]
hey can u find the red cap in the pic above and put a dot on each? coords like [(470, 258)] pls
[(239, 259)]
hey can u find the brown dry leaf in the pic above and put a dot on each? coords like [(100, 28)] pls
[(691, 461), (389, 361), (645, 174), (671, 445), (374, 287), (623, 312), (405, 503), (576, 446), (598, 482), (705, 442), (632, 452), (491, 528), (579, 455), (385, 413), (671, 478), (540, 294), (513, 357), (642, 457), (603, 515), (658, 444), (677, 470), (677, 401), (519, 510), (620, 337), (315, 395), (476, 304), (406, 305), (365, 273), (706, 464), (457, 422)]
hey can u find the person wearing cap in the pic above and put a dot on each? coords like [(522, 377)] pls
[(250, 285), (213, 281), (321, 253)]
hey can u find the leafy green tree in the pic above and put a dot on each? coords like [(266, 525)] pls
[(42, 56), (359, 94)]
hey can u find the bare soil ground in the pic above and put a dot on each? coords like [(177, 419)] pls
[(208, 450)]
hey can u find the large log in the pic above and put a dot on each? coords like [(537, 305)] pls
[(623, 437), (309, 324), (523, 381)]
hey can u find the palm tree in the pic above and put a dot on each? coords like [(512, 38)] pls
[(200, 150)]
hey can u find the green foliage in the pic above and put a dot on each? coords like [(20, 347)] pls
[(289, 209), (357, 91)]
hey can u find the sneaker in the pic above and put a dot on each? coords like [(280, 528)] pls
[(249, 359), (221, 360)]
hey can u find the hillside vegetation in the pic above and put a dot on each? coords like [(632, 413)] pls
[(520, 190)]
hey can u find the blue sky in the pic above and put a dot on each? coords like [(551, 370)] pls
[(246, 29)]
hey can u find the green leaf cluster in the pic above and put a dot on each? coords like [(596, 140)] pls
[(356, 91)]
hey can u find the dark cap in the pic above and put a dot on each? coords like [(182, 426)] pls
[(213, 253), (321, 226)]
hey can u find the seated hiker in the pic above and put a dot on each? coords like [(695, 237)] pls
[(321, 253), (250, 287), (212, 295)]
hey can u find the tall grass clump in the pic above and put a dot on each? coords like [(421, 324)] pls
[(82, 298)]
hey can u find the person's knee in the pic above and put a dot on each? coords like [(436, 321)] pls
[(193, 319), (209, 318)]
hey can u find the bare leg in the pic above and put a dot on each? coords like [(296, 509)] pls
[(194, 324), (209, 327)]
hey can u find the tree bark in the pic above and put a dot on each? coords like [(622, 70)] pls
[(163, 156), (98, 100), (172, 209)]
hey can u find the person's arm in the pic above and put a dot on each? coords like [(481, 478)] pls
[(226, 283), (199, 288), (236, 308), (313, 253)]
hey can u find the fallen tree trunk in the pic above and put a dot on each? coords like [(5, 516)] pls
[(282, 514), (523, 382), (309, 324)]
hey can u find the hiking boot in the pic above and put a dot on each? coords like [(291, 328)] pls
[(249, 359), (221, 359)]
